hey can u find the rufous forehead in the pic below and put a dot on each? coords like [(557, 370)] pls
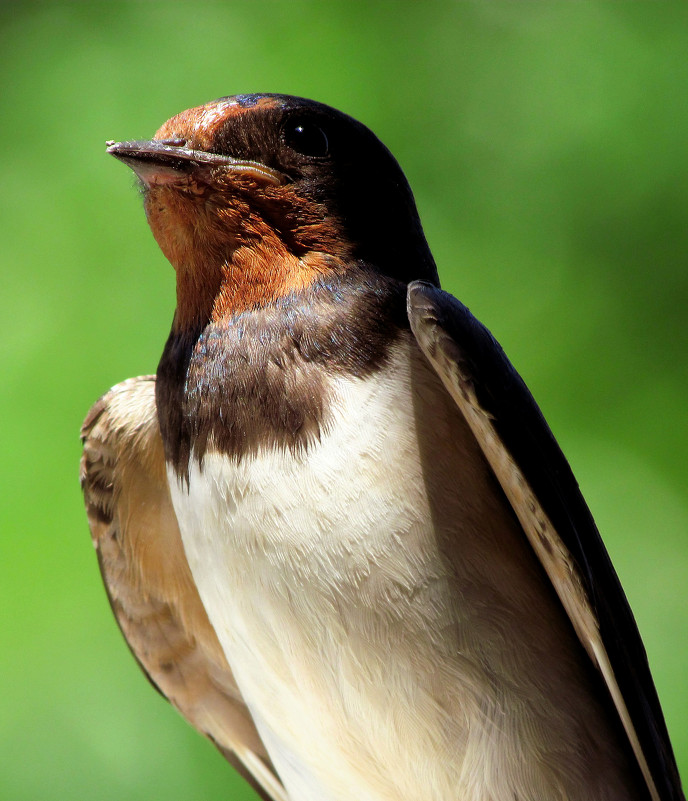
[(198, 125)]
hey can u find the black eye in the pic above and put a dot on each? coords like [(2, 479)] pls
[(306, 137)]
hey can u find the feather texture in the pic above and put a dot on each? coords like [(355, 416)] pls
[(148, 581)]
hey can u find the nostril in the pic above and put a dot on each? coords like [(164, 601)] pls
[(179, 142)]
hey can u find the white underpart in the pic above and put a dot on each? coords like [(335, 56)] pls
[(383, 615)]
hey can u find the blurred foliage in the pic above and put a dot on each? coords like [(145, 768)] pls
[(546, 143)]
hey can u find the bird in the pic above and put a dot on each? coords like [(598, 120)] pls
[(334, 527)]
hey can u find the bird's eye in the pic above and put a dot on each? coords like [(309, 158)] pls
[(306, 137)]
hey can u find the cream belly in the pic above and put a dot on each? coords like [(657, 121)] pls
[(385, 620)]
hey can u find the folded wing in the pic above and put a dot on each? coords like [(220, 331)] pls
[(148, 581), (538, 482)]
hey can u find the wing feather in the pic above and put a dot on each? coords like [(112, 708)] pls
[(538, 483), (148, 581)]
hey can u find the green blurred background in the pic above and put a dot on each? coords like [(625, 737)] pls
[(547, 146)]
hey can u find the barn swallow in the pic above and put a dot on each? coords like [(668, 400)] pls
[(334, 528)]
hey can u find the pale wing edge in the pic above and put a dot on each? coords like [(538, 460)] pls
[(538, 483)]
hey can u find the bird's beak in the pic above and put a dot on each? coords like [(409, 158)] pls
[(167, 161)]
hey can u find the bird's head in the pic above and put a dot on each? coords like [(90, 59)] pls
[(255, 197)]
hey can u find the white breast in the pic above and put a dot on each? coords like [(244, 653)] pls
[(383, 617)]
